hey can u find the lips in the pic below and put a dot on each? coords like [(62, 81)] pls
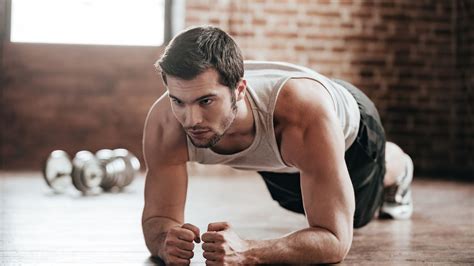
[(198, 133)]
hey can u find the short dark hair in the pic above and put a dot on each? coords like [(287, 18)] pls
[(198, 49)]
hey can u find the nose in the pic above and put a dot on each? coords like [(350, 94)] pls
[(192, 116)]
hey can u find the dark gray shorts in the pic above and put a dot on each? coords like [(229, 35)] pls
[(365, 160)]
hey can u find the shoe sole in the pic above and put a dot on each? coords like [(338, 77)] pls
[(397, 211)]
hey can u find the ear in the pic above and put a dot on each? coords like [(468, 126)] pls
[(241, 90)]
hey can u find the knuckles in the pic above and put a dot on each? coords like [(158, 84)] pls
[(220, 247), (219, 236), (187, 225), (172, 250), (218, 226), (214, 244), (174, 230), (177, 231), (170, 242), (169, 249), (213, 237)]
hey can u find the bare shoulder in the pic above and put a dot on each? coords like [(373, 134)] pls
[(304, 116), (164, 140), (302, 101)]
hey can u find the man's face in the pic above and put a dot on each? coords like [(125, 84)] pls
[(204, 107)]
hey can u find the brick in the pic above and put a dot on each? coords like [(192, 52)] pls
[(323, 14)]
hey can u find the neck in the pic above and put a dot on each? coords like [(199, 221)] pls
[(243, 123), (241, 133)]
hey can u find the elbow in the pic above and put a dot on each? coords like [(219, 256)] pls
[(341, 251), (337, 256), (341, 247), (333, 252)]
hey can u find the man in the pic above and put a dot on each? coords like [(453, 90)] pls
[(318, 144)]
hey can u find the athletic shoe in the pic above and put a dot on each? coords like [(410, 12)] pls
[(398, 203)]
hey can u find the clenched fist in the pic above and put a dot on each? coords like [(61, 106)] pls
[(178, 244), (222, 245)]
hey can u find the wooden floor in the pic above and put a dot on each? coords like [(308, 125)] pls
[(42, 228)]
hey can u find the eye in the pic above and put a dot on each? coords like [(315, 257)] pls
[(176, 101), (206, 102)]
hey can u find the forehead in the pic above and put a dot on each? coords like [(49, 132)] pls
[(204, 83)]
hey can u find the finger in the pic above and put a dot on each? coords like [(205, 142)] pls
[(181, 253), (218, 226), (185, 245), (215, 257), (212, 237), (209, 247), (185, 234), (213, 247), (194, 229)]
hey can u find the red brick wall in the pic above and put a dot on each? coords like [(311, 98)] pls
[(73, 97), (402, 53), (411, 57)]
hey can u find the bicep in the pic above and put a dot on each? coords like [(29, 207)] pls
[(317, 150)]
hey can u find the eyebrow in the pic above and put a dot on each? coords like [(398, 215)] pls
[(197, 99)]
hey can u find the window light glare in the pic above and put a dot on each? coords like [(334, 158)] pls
[(110, 22)]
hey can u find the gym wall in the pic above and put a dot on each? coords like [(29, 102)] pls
[(411, 57)]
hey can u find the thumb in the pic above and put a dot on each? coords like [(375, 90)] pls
[(193, 229), (218, 226)]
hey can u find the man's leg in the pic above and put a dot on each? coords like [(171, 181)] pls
[(398, 203), (381, 172), (395, 163)]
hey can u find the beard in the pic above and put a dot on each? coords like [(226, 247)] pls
[(207, 143), (211, 141)]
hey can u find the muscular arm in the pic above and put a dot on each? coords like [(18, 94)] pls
[(166, 177), (312, 141), (164, 207)]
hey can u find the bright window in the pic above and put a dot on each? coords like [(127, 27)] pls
[(111, 22)]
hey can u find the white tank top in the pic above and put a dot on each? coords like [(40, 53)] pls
[(264, 82)]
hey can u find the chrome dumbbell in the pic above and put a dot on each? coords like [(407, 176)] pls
[(106, 170), (120, 167), (87, 173), (57, 171)]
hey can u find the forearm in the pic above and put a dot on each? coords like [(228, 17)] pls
[(306, 246), (154, 231)]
